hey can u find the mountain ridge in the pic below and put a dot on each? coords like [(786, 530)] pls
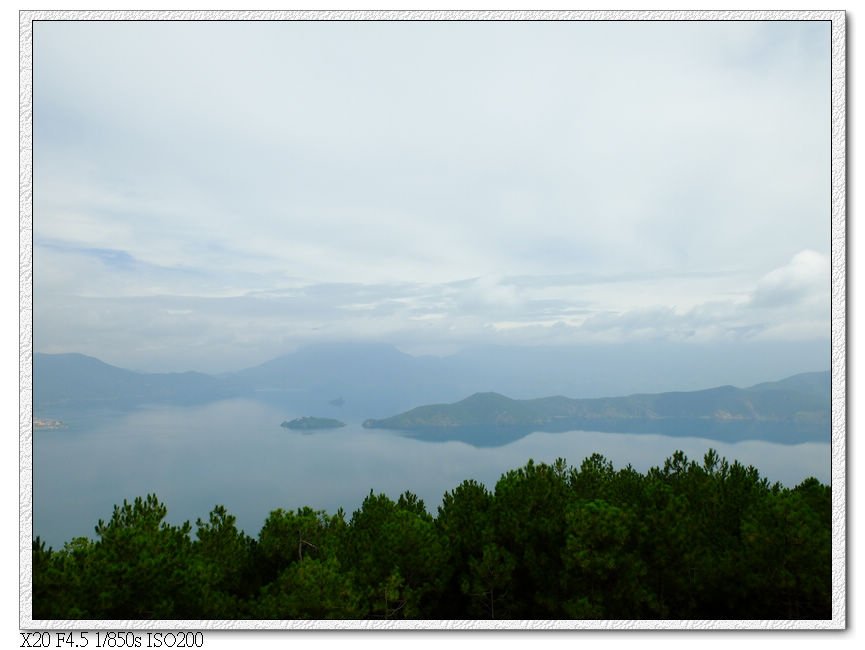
[(803, 412), (376, 381), (76, 379)]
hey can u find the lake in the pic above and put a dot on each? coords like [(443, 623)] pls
[(235, 453)]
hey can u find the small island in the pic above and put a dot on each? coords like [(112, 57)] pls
[(312, 424)]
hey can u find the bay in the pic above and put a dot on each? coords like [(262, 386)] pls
[(235, 453)]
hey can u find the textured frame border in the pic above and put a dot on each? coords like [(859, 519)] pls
[(838, 327)]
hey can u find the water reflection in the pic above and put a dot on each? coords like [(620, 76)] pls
[(235, 453)]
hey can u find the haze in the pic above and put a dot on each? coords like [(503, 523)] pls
[(209, 195)]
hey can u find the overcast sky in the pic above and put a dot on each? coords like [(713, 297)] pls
[(210, 195)]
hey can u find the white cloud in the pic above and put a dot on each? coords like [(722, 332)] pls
[(804, 280), (441, 183)]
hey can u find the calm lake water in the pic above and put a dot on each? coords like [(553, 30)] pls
[(235, 453)]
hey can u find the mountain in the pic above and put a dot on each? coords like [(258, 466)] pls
[(373, 380), (808, 382), (350, 379), (354, 379), (589, 371), (377, 380), (795, 409), (79, 381)]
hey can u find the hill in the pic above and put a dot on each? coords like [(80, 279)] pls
[(369, 380), (79, 381), (791, 410)]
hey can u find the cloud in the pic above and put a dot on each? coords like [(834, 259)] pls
[(502, 153), (529, 182), (111, 305), (804, 280)]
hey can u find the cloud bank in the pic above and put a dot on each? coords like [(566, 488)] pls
[(212, 194)]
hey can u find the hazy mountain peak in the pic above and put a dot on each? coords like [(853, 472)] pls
[(487, 398)]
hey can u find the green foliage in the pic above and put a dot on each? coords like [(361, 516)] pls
[(786, 545), (529, 520), (687, 540), (289, 536), (465, 525), (310, 589), (488, 581), (602, 563), (396, 555), (140, 567), (223, 557)]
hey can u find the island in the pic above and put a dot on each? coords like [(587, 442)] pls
[(312, 424)]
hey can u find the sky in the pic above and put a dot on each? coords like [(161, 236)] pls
[(210, 195)]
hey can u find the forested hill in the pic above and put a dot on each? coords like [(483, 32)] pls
[(793, 409)]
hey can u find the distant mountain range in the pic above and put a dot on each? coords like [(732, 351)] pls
[(79, 381), (359, 380), (348, 379), (352, 379), (793, 409)]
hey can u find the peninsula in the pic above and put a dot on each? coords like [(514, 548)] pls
[(792, 410)]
